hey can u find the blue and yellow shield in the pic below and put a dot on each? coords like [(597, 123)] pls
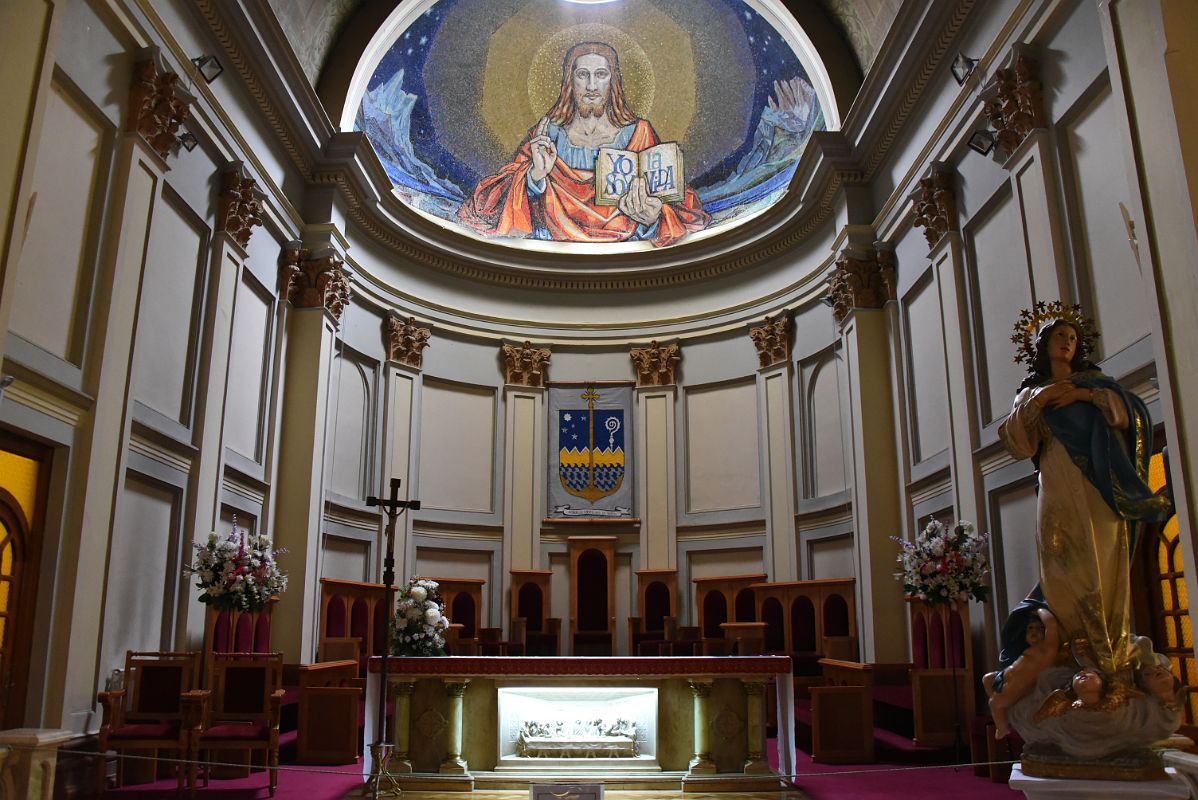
[(591, 449)]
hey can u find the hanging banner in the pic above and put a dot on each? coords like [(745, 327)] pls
[(590, 451)]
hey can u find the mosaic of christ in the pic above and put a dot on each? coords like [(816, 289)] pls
[(589, 125)]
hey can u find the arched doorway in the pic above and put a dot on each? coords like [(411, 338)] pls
[(23, 473)]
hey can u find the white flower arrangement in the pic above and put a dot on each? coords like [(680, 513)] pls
[(418, 627), (238, 571), (944, 565)]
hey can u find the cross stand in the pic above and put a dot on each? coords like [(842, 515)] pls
[(381, 749)]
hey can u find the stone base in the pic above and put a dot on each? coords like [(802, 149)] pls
[(732, 783), (1172, 787), (453, 766), (701, 765), (582, 766), (1048, 761)]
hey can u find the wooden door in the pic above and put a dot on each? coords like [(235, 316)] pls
[(23, 474)]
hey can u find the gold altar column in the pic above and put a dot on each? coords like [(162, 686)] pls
[(401, 722), (453, 763), (655, 399), (313, 278), (701, 763), (859, 292), (755, 727)]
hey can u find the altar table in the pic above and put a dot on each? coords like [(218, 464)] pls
[(710, 721)]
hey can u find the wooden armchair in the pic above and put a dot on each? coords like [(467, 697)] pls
[(243, 709), (159, 708), (340, 648)]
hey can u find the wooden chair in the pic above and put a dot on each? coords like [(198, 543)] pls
[(243, 709), (516, 643), (490, 642), (340, 648), (159, 708)]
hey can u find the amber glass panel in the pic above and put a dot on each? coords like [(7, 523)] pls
[(1187, 635)]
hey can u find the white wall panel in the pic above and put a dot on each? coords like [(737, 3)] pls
[(351, 442), (925, 378), (164, 357), (143, 571), (457, 447), (715, 563), (827, 458), (248, 370), (1017, 568), (56, 262), (1099, 185), (999, 288), (722, 467), (346, 559), (832, 558)]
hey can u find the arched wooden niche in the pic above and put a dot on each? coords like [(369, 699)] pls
[(592, 594)]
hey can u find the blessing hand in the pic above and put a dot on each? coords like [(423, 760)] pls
[(544, 155), (638, 204)]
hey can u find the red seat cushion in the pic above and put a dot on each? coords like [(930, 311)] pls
[(147, 730), (235, 732)]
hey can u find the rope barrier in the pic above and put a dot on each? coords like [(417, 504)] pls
[(805, 776)]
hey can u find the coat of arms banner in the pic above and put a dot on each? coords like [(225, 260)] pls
[(590, 451)]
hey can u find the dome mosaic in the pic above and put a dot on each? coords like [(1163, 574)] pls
[(590, 126)]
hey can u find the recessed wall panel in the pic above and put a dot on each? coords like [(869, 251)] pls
[(832, 558), (1120, 305), (345, 558), (54, 272), (827, 458), (999, 289), (142, 572), (457, 447), (1017, 566), (715, 563), (248, 370), (926, 379), (723, 468), (171, 296), (352, 426)]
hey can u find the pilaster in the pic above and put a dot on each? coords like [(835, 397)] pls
[(860, 293), (313, 278), (776, 432), (98, 463), (404, 341), (656, 462), (228, 259), (524, 444)]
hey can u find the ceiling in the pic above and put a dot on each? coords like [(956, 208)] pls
[(312, 26)]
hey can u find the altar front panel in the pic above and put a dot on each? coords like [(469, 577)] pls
[(722, 678)]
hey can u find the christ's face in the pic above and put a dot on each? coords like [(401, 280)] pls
[(592, 84)]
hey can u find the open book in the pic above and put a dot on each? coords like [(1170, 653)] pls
[(660, 165)]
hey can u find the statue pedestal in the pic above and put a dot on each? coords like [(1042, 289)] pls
[(1173, 788)]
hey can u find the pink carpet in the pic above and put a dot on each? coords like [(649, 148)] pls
[(295, 781)]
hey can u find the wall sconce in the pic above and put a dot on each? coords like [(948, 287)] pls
[(209, 67), (188, 141), (962, 67), (982, 141), (828, 300), (5, 382)]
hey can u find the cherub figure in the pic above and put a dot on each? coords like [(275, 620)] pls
[(1089, 690), (1156, 678), (1007, 686)]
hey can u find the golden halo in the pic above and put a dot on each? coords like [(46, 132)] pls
[(545, 74)]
